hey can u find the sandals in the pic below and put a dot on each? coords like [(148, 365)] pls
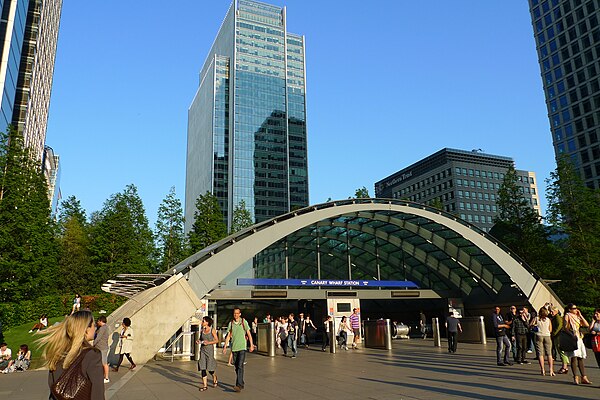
[(215, 384), (563, 371), (203, 388), (585, 380)]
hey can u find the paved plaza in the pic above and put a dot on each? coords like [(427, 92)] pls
[(414, 369)]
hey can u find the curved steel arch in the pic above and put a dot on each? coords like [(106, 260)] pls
[(208, 267)]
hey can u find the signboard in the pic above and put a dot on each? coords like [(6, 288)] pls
[(325, 282)]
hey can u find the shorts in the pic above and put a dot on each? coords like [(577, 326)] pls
[(104, 354), (356, 332)]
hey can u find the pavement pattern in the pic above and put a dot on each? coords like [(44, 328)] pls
[(413, 369)]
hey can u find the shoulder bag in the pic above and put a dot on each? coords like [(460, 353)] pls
[(72, 384), (567, 340)]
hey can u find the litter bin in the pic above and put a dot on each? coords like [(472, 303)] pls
[(265, 337), (378, 334)]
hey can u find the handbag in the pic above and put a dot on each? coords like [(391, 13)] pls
[(567, 340), (587, 340), (596, 343), (72, 384)]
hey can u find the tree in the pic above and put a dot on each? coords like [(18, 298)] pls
[(169, 232), (362, 193), (76, 272), (437, 203), (241, 217), (28, 250), (71, 208), (574, 209), (121, 240), (519, 226), (208, 226)]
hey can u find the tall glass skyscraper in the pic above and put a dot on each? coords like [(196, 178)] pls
[(247, 122), (567, 36)]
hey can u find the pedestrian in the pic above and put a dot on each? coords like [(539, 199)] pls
[(308, 330), (76, 303), (453, 327), (573, 323), (355, 326), (502, 341), (101, 343), (343, 333), (595, 331), (530, 335), (70, 358), (510, 317), (300, 321), (520, 328), (326, 332), (237, 333), (557, 326), (208, 339), (255, 330), (282, 334), (125, 344), (42, 324), (423, 324), (292, 335), (267, 319), (542, 328)]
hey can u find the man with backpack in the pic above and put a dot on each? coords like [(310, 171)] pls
[(237, 332)]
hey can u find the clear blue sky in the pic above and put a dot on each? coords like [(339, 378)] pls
[(388, 82)]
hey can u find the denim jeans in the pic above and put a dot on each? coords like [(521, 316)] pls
[(502, 344), (291, 344), (238, 361), (452, 337)]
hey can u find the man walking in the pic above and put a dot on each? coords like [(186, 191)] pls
[(423, 324), (101, 343), (237, 333), (510, 332), (453, 326), (521, 329), (355, 326), (502, 342), (292, 335), (326, 332)]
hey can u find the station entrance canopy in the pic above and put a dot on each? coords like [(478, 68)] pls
[(370, 240)]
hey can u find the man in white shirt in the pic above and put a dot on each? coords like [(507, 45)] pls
[(5, 357)]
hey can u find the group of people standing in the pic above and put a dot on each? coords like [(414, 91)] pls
[(519, 327)]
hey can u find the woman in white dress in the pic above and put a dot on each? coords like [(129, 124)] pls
[(573, 322)]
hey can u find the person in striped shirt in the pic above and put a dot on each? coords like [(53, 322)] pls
[(355, 326)]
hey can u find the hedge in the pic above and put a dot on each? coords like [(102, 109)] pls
[(13, 314)]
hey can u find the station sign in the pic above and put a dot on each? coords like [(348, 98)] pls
[(325, 282)]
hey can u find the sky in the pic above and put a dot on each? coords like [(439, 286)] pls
[(388, 83)]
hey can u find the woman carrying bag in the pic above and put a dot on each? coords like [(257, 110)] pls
[(595, 331), (75, 367), (573, 322)]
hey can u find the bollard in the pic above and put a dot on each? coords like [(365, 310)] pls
[(265, 337), (435, 326), (332, 341), (482, 330)]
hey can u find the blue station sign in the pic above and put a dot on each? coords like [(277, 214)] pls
[(325, 282)]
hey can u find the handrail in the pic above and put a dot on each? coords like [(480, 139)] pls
[(182, 334)]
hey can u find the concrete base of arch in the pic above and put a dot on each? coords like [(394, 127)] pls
[(155, 315)]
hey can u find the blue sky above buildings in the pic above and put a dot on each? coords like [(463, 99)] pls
[(388, 83)]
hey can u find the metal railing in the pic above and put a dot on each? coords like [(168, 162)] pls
[(176, 347)]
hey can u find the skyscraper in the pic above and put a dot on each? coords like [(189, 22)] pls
[(28, 36), (464, 183), (567, 38), (247, 122)]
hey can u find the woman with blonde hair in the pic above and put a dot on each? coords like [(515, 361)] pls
[(75, 367), (573, 323)]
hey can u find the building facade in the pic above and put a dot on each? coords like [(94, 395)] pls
[(51, 170), (567, 36), (466, 184), (30, 33), (247, 122)]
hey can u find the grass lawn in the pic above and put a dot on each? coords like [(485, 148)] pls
[(18, 335)]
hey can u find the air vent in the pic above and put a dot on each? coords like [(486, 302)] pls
[(406, 293), (341, 294), (263, 294)]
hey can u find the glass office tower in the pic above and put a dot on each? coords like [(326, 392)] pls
[(567, 36), (247, 122)]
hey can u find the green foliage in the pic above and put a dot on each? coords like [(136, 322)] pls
[(71, 208), (76, 272), (28, 251), (362, 193), (575, 210), (170, 237), (121, 240), (13, 314), (208, 225), (241, 217), (436, 203), (519, 227)]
